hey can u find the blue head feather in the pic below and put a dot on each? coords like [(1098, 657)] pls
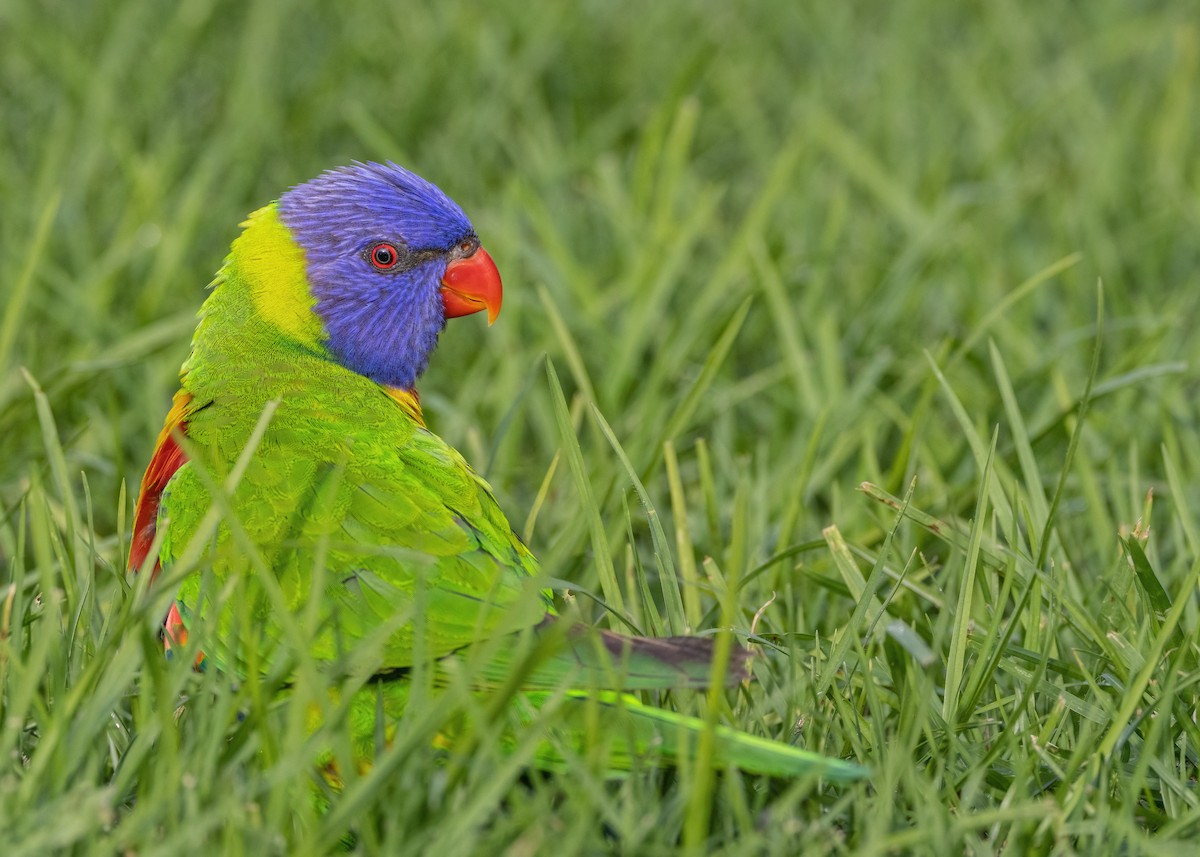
[(382, 324)]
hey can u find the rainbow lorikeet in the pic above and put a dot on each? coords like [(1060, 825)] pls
[(298, 398)]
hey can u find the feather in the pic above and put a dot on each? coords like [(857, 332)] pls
[(166, 460)]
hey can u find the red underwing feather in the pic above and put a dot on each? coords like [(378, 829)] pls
[(167, 458)]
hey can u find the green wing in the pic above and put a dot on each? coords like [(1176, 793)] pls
[(351, 508), (354, 503)]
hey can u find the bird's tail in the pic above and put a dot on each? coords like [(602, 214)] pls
[(596, 716), (566, 728), (630, 735)]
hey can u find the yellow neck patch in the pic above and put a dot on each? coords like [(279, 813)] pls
[(409, 402), (272, 265)]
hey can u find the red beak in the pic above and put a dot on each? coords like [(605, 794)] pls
[(472, 284)]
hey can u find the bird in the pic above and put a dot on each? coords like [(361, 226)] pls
[(295, 464)]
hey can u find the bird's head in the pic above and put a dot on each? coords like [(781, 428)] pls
[(388, 258)]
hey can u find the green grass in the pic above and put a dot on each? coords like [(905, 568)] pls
[(876, 328)]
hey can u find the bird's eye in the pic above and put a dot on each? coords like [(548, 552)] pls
[(466, 246), (384, 256)]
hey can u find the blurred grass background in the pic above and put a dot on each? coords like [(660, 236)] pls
[(784, 249)]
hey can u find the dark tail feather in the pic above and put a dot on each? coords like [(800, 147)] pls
[(586, 657), (689, 659)]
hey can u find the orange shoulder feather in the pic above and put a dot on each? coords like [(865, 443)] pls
[(168, 457)]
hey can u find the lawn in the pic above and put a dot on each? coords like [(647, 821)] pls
[(874, 324)]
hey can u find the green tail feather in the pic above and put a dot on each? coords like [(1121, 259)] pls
[(578, 727), (596, 717), (637, 735)]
